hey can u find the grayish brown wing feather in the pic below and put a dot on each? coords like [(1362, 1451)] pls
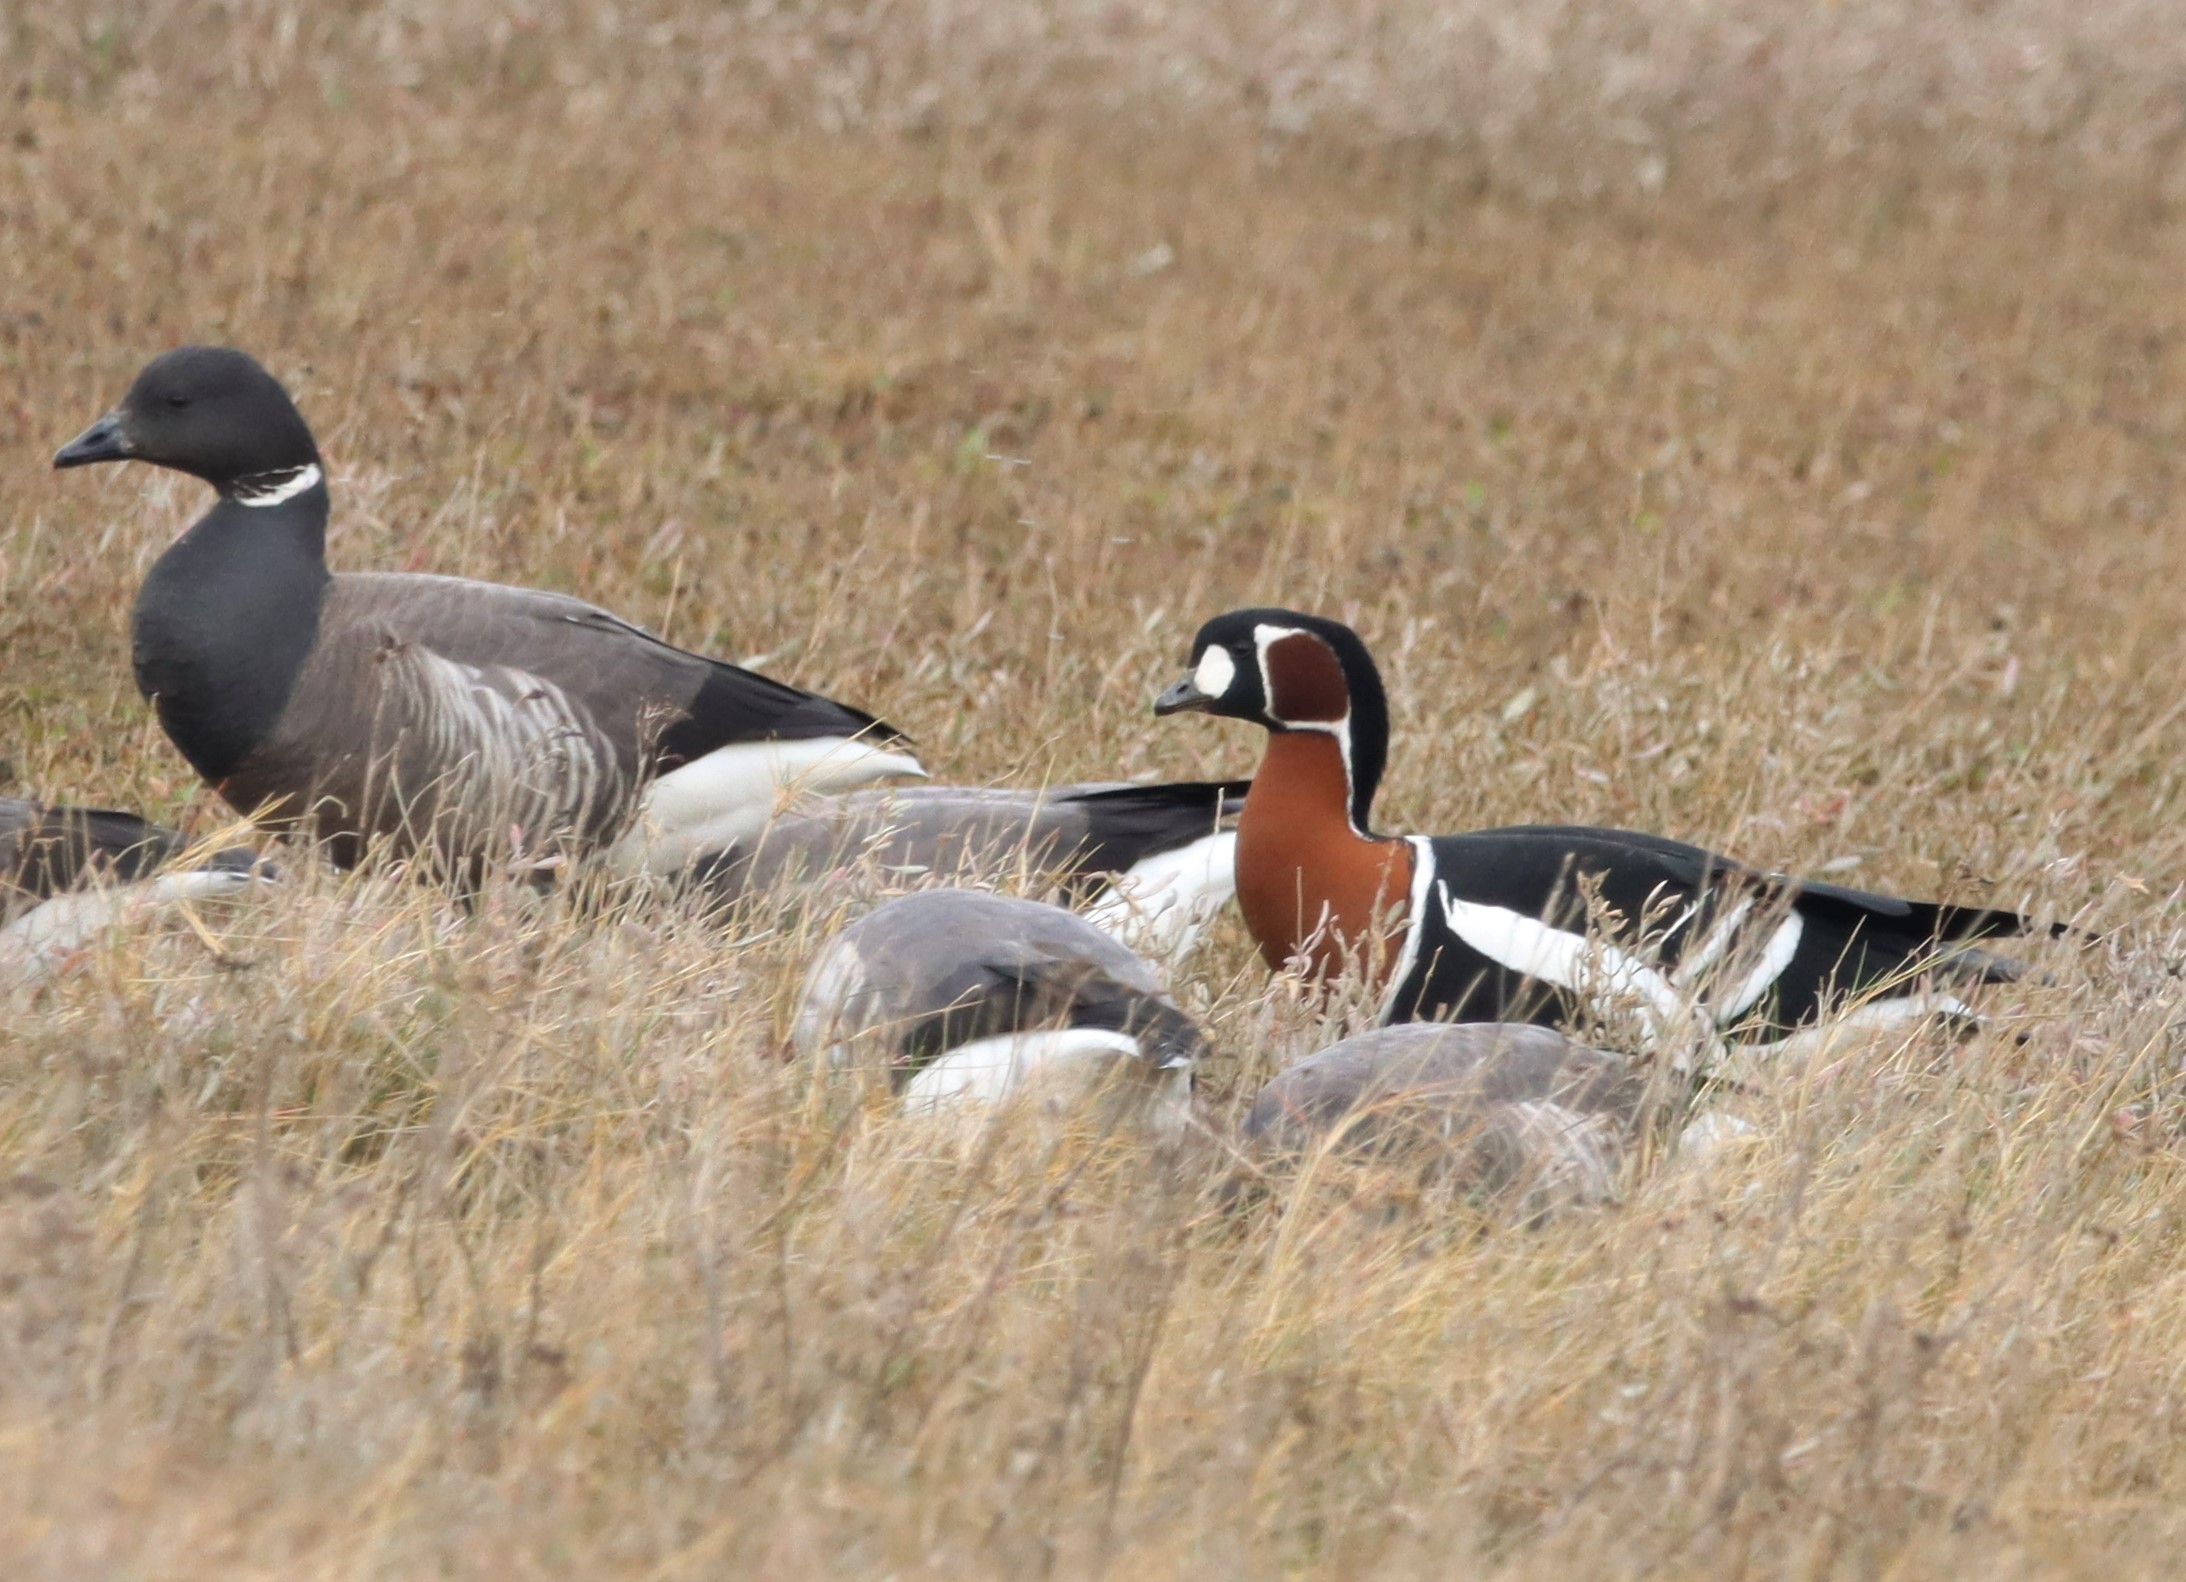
[(905, 833), (446, 715), (1497, 1107), (966, 834), (47, 850), (440, 715), (941, 966)]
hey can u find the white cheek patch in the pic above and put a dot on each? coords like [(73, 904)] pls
[(1215, 672)]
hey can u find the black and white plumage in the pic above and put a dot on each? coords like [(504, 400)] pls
[(970, 996), (431, 715), (1151, 864), (1498, 1107), (1540, 923), (1572, 918)]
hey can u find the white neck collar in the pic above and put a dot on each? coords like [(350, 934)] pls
[(260, 489)]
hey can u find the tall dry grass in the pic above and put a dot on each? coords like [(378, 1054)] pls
[(1810, 497)]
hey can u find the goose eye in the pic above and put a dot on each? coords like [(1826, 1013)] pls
[(178, 400)]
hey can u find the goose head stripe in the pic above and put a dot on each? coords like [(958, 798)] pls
[(1286, 671), (430, 716), (1538, 922), (1312, 880)]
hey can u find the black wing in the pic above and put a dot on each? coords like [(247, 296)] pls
[(1127, 824), (1701, 920), (45, 850), (734, 705)]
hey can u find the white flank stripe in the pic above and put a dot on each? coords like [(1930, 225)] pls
[(1570, 1159), (730, 795), (289, 486), (1165, 903), (1710, 1134), (835, 988), (1594, 968), (1423, 884), (989, 1070), (1696, 963), (1775, 957), (510, 750)]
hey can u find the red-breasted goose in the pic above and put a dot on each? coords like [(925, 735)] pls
[(431, 715), (1499, 1107), (1496, 925), (1151, 864), (969, 996)]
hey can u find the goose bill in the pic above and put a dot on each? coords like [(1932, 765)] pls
[(105, 440), (1183, 698)]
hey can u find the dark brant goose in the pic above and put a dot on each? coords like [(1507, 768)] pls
[(970, 996), (1502, 1108), (68, 873), (1537, 922), (431, 715), (1152, 863)]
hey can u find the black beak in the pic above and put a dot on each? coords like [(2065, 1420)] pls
[(1183, 698), (105, 440)]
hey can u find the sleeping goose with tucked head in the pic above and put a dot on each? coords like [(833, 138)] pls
[(456, 721), (1502, 1108), (1538, 922), (969, 998)]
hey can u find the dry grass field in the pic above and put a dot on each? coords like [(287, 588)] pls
[(1763, 424)]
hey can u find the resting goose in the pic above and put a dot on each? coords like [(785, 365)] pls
[(432, 716), (1153, 863), (1536, 922), (46, 849), (970, 996), (69, 873), (1497, 1107)]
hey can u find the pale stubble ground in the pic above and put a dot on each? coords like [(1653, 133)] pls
[(1817, 504)]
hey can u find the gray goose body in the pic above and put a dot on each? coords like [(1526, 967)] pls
[(965, 994), (432, 716), (440, 713), (1154, 863), (1498, 1107)]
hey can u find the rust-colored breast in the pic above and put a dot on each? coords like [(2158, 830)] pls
[(1300, 863)]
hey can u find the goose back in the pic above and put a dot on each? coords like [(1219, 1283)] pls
[(442, 715)]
